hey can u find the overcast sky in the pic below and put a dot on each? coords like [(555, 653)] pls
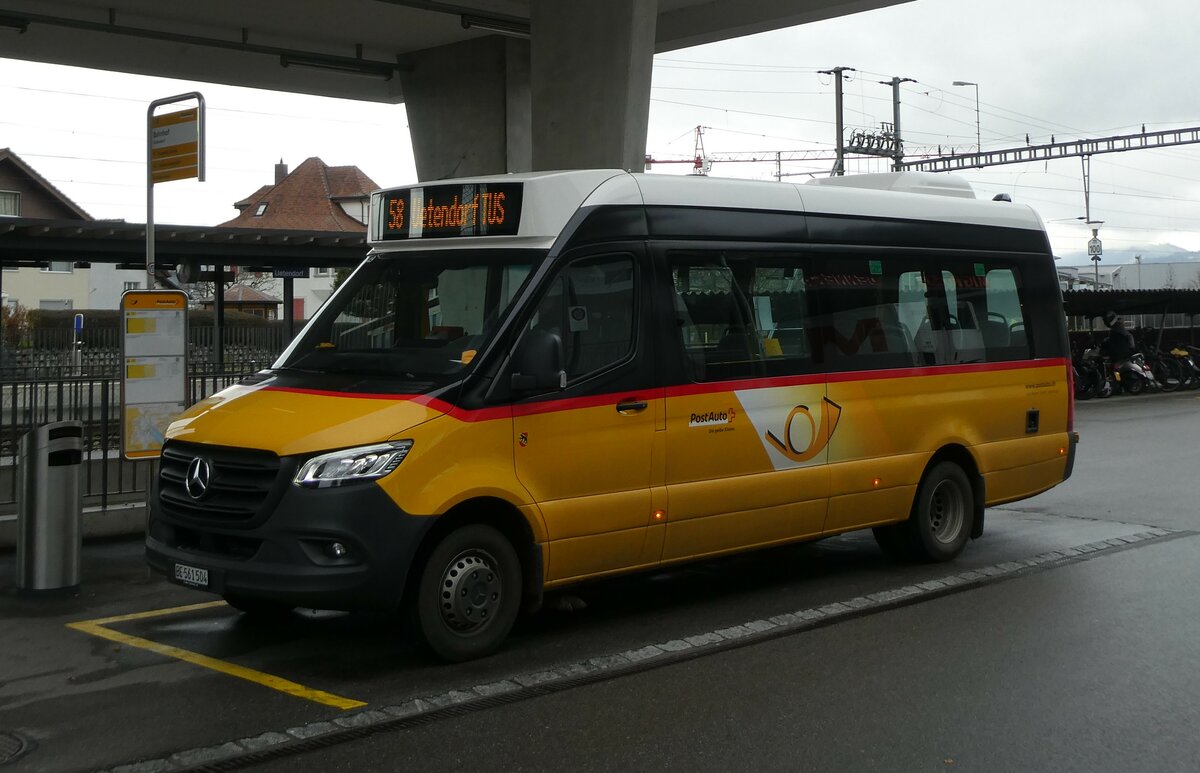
[(1067, 69)]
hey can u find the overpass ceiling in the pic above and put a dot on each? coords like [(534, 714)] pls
[(246, 43)]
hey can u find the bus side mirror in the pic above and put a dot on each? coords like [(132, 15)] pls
[(537, 362)]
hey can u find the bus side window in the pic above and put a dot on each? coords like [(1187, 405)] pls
[(590, 306), (864, 305), (1004, 330), (715, 323), (741, 314), (987, 322)]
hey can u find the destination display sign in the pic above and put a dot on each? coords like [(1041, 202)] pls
[(440, 211)]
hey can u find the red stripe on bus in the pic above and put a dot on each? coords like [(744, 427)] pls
[(683, 390)]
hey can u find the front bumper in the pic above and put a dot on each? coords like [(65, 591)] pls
[(285, 557)]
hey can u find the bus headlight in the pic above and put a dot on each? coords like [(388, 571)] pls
[(351, 465)]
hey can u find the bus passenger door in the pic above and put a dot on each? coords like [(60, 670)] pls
[(586, 452), (747, 420)]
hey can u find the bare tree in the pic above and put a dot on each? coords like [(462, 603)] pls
[(257, 280)]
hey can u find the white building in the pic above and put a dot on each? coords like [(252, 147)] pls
[(61, 284), (1183, 275)]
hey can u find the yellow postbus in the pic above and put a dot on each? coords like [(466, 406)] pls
[(539, 379)]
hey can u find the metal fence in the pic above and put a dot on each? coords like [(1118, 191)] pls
[(58, 394), (266, 337), (43, 353)]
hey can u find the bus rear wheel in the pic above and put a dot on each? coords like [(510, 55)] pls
[(942, 514), (469, 593), (940, 522)]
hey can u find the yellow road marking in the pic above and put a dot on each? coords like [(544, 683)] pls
[(155, 613), (96, 628)]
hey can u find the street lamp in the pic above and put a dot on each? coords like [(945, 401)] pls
[(978, 141)]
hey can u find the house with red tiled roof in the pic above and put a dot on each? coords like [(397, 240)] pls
[(248, 301), (314, 197), (25, 193)]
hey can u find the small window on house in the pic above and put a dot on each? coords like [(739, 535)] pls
[(10, 204), (132, 286), (262, 207), (60, 267)]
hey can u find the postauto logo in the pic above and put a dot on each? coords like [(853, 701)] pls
[(712, 417)]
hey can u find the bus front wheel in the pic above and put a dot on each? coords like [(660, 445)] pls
[(469, 593)]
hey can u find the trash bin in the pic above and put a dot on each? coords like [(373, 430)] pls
[(49, 509)]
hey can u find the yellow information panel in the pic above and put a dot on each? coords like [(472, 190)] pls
[(154, 385), (174, 146)]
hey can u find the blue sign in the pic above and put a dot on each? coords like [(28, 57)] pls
[(78, 323)]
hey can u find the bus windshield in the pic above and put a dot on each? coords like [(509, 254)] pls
[(413, 316)]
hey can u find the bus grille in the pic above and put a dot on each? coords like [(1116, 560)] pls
[(240, 484)]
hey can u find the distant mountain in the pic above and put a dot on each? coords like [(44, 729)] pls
[(1151, 253)]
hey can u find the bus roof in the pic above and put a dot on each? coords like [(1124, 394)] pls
[(532, 209)]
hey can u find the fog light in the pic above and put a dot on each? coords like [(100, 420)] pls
[(335, 550)]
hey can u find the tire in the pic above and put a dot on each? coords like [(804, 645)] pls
[(1169, 374), (942, 514), (469, 593), (1087, 382), (1133, 384), (259, 609)]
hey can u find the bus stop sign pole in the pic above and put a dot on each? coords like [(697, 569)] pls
[(174, 151)]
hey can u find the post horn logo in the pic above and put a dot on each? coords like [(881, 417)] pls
[(830, 413)]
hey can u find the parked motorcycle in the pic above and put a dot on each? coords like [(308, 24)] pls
[(1189, 361), (1094, 377), (1134, 375)]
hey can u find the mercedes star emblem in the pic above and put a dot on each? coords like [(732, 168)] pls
[(199, 475)]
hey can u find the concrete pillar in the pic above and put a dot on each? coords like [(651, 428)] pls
[(590, 77), (468, 108)]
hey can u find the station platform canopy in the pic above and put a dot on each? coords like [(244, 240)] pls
[(31, 242)]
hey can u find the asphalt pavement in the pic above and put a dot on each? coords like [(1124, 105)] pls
[(1086, 667)]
